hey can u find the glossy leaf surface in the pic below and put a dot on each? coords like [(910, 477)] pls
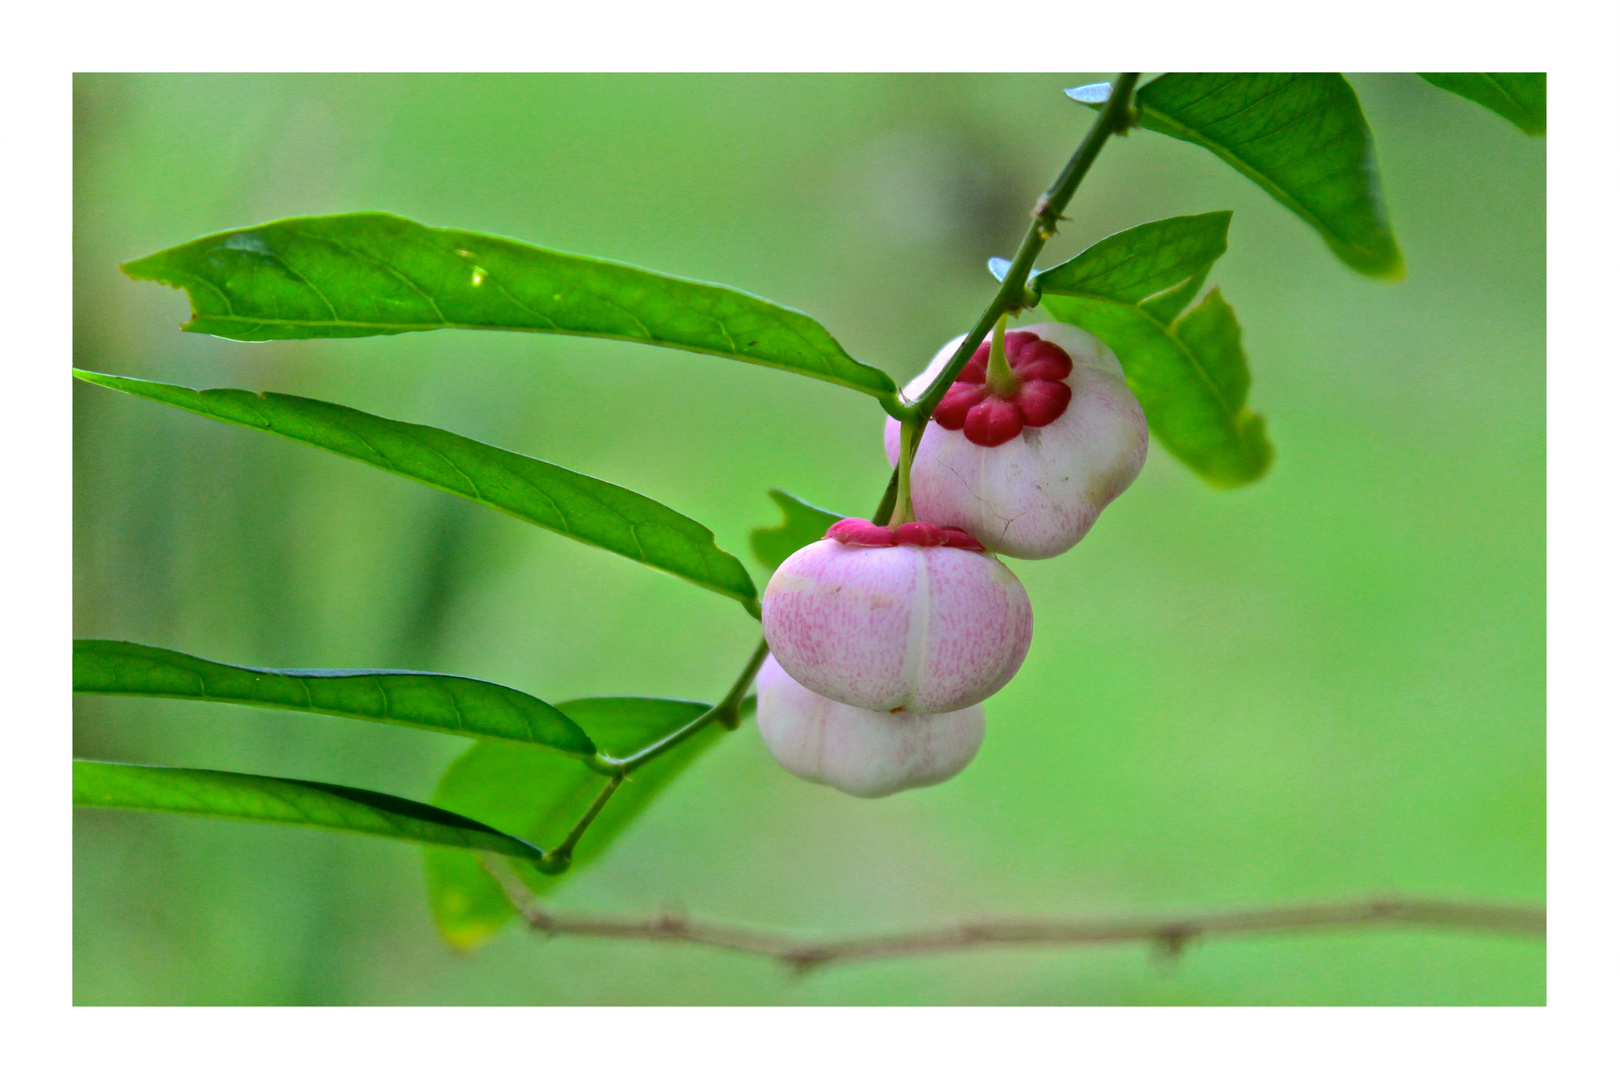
[(542, 795), (582, 507), (1302, 137), (447, 703), (1158, 257), (1518, 96), (802, 523), (357, 275), (1191, 378), (246, 797)]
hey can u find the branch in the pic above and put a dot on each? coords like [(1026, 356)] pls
[(1171, 935)]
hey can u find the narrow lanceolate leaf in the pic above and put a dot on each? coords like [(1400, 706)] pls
[(1153, 259), (1191, 378), (541, 796), (802, 524), (582, 507), (286, 802), (357, 275), (447, 703), (1301, 137), (1518, 96)]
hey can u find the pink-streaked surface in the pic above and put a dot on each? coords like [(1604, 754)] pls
[(926, 629), (1039, 493), (864, 753)]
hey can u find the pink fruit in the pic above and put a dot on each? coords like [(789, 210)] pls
[(1028, 474), (915, 618), (858, 751)]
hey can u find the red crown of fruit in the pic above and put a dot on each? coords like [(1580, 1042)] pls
[(1040, 396), (862, 533)]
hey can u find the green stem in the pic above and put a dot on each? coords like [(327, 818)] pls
[(902, 511), (998, 375), (1014, 293), (728, 714), (560, 857)]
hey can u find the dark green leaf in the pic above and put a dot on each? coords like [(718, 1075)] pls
[(542, 795), (1518, 96), (447, 703), (287, 802), (582, 507), (1192, 381), (1301, 137), (1148, 260), (802, 524), (356, 275)]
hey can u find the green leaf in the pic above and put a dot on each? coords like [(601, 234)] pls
[(1165, 306), (287, 802), (1518, 96), (447, 703), (802, 523), (542, 795), (1191, 378), (357, 275), (1155, 258), (582, 507), (1301, 137)]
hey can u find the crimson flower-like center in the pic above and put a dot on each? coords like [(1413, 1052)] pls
[(858, 532), (1038, 397)]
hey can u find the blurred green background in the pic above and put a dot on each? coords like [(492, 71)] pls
[(1328, 684)]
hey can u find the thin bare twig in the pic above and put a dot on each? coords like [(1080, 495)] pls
[(1170, 934)]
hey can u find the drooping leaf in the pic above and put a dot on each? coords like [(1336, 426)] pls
[(247, 797), (1518, 96), (542, 795), (802, 523), (1193, 388), (1152, 259), (357, 275), (447, 703), (578, 506), (1302, 137)]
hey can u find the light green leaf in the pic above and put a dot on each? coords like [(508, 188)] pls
[(802, 523), (1165, 306), (1192, 381), (578, 506), (542, 795), (447, 703), (1155, 258), (288, 802), (357, 275), (1301, 137), (1213, 337), (1518, 96)]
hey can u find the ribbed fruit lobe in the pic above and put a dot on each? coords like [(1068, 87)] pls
[(858, 751), (922, 628)]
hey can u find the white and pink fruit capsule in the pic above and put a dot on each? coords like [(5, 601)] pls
[(858, 751), (1027, 472), (914, 618)]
